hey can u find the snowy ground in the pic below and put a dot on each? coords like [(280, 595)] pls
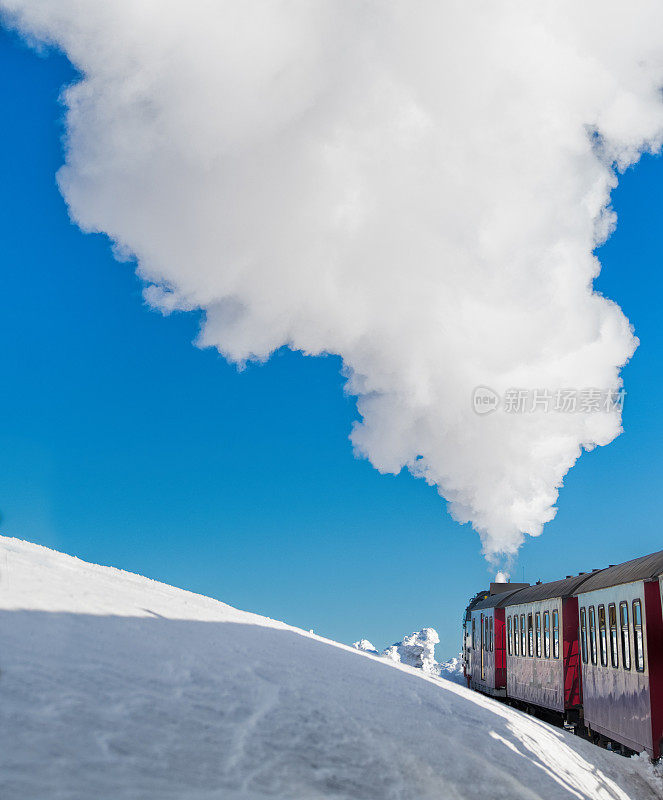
[(114, 686)]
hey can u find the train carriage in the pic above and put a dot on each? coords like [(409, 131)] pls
[(621, 639), (466, 651), (542, 652), (487, 663)]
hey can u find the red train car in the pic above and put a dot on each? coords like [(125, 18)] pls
[(542, 650), (487, 662), (621, 639)]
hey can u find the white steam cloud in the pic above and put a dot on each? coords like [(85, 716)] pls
[(417, 186)]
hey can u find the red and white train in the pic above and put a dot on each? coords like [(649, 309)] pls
[(587, 650)]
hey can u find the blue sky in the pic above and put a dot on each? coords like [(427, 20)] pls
[(124, 444)]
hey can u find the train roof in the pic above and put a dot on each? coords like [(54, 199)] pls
[(472, 603), (497, 600), (545, 591), (638, 569)]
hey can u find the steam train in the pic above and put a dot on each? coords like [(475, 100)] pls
[(585, 651)]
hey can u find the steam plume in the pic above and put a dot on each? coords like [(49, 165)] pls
[(417, 186)]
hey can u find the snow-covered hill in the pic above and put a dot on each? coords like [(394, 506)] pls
[(114, 686)]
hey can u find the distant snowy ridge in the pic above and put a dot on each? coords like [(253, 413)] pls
[(116, 687), (366, 647), (452, 669), (418, 650)]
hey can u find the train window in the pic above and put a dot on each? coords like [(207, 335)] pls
[(516, 639), (523, 636), (538, 634), (530, 636), (546, 634), (555, 624), (508, 636), (603, 637), (626, 635), (583, 635), (474, 633), (592, 633), (638, 642), (614, 645)]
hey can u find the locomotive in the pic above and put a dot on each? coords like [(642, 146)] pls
[(585, 652)]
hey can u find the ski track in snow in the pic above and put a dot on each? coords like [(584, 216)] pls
[(116, 686)]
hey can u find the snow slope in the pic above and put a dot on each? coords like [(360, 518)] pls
[(114, 686)]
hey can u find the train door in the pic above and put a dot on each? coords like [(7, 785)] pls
[(483, 644)]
